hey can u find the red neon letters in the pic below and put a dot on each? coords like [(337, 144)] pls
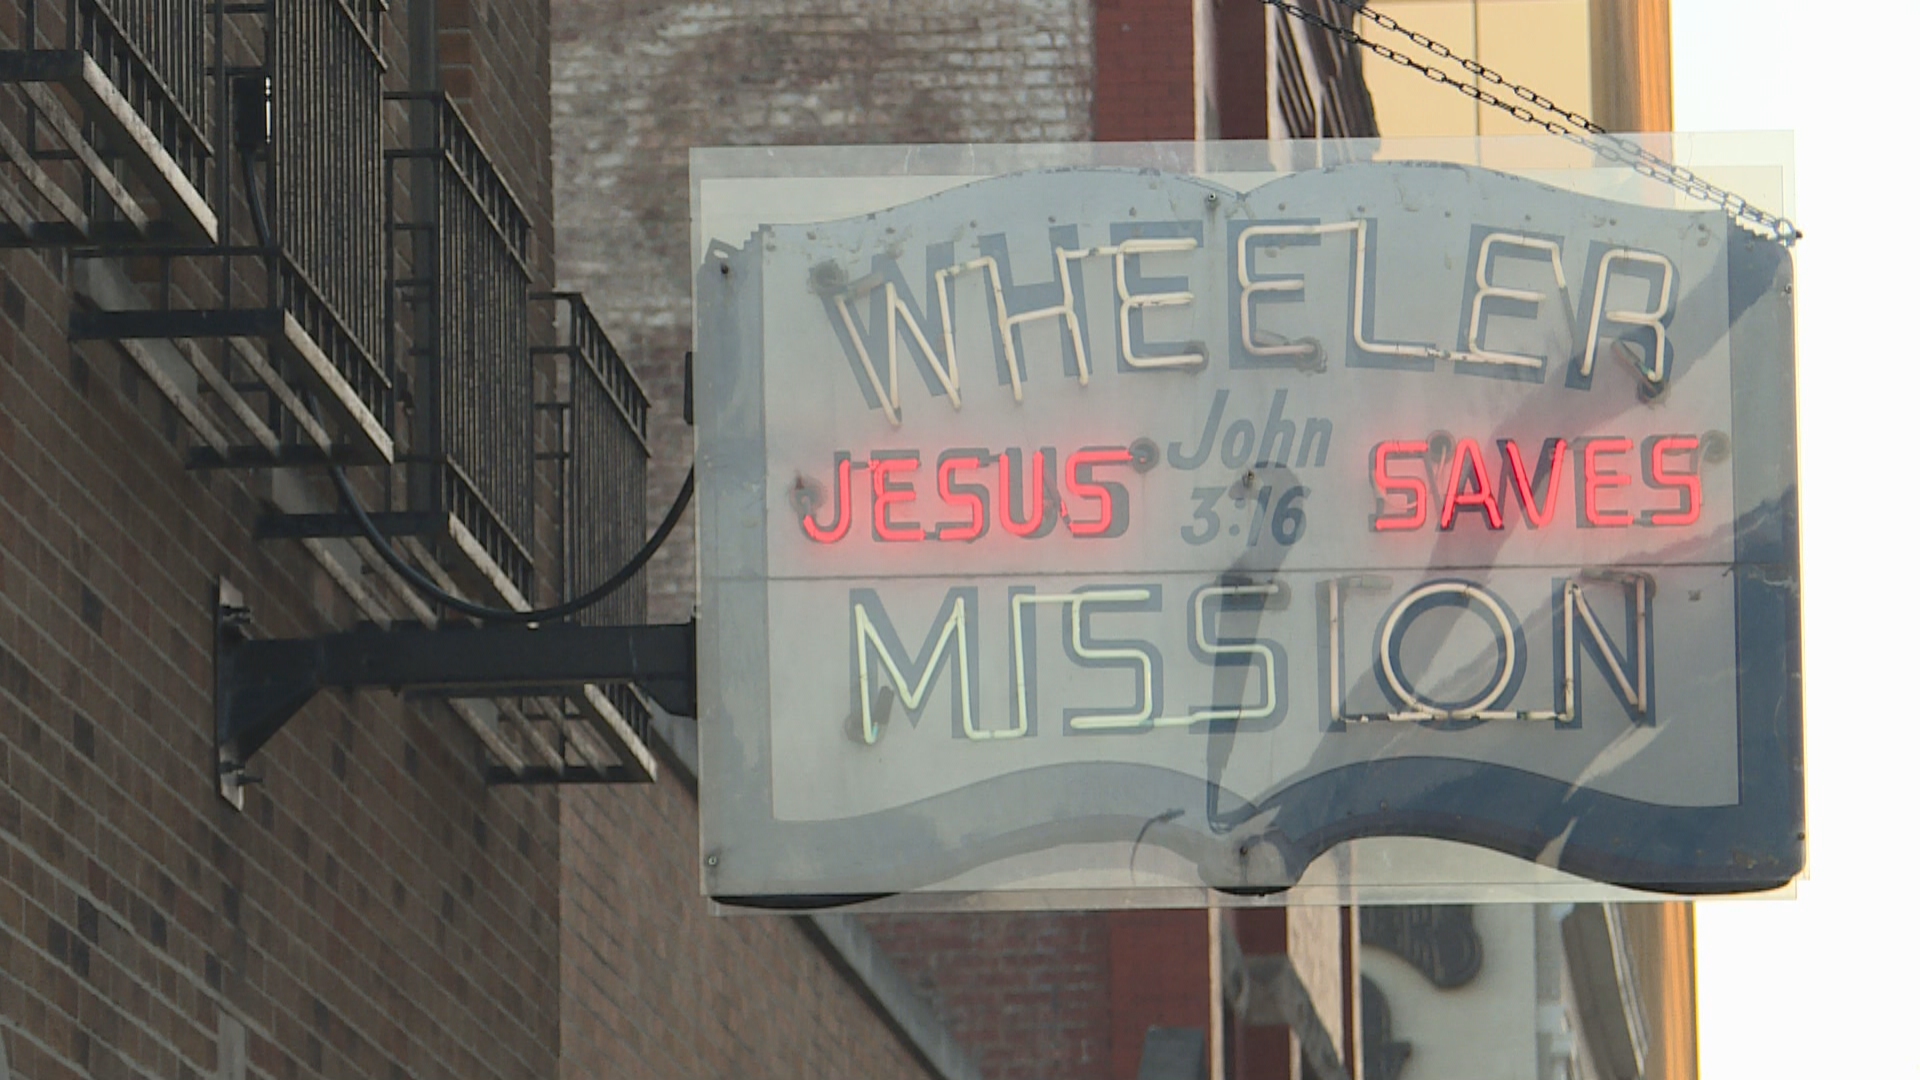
[(1405, 471), (964, 501), (1480, 497), (1036, 493), (843, 501), (1413, 487), (1107, 494), (971, 496), (1688, 483), (1599, 479), (1537, 507), (886, 495)]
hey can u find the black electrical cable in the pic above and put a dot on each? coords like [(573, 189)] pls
[(427, 588), (262, 232)]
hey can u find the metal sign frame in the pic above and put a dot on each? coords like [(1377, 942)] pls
[(1002, 835)]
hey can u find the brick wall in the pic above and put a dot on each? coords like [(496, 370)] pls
[(1027, 994), (1057, 995), (1239, 54), (1144, 78), (1160, 978), (494, 61), (377, 911), (654, 985), (635, 86), (1263, 1051)]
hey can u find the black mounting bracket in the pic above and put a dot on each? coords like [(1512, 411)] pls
[(259, 684)]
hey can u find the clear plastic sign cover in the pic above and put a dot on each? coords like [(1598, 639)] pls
[(1093, 525)]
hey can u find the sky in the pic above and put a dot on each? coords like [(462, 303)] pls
[(1823, 985)]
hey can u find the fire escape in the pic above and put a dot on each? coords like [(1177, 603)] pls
[(322, 272)]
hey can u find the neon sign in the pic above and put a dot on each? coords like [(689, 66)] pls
[(1382, 500), (1670, 470), (1022, 506), (901, 322)]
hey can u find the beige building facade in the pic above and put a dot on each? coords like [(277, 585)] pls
[(1608, 60)]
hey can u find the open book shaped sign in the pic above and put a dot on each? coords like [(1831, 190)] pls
[(1101, 529)]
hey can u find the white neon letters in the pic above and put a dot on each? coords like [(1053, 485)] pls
[(1574, 599), (1075, 604), (1577, 626), (1654, 367), (1551, 310), (1212, 646), (1251, 287), (1058, 667), (947, 647), (867, 640), (945, 363), (1487, 290), (1474, 596), (1131, 302), (889, 394)]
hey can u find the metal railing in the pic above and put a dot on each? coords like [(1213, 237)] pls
[(599, 443), (138, 77), (324, 185), (344, 304), (459, 267), (603, 455), (280, 310), (155, 52)]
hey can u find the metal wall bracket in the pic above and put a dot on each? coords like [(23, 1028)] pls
[(260, 684)]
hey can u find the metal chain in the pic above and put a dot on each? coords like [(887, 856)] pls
[(1558, 121)]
